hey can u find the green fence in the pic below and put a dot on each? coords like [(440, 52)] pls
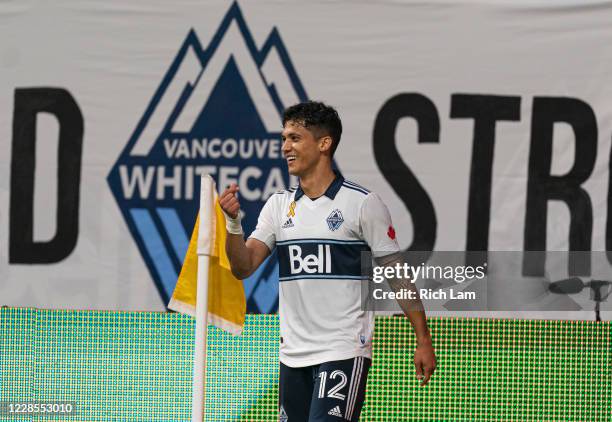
[(136, 366)]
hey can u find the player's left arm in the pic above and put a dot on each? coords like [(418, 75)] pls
[(378, 231), (424, 355)]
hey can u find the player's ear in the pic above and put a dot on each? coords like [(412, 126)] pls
[(325, 143)]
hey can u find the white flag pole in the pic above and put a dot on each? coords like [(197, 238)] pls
[(206, 236)]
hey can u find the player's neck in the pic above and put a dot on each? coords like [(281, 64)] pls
[(314, 184)]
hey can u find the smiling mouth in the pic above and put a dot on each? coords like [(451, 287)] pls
[(290, 158)]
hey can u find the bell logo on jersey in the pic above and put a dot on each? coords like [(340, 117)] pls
[(310, 264)]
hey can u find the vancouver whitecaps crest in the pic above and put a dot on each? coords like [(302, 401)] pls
[(217, 110), (335, 220)]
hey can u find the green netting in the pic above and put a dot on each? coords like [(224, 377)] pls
[(136, 366)]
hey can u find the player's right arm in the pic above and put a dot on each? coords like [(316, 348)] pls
[(244, 257)]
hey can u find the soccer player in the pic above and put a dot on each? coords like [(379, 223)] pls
[(320, 229)]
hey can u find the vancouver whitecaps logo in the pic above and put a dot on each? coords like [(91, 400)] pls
[(335, 220), (217, 110)]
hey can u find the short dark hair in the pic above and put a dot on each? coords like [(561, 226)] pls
[(316, 115)]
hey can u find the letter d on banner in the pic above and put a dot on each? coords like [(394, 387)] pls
[(28, 103)]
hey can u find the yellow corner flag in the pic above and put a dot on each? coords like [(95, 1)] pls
[(226, 301)]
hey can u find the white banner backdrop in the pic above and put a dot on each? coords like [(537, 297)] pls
[(115, 108)]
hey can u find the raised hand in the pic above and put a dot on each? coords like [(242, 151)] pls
[(229, 201)]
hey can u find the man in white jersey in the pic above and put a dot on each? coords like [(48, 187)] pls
[(320, 229)]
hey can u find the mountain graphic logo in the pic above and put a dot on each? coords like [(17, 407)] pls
[(335, 220), (217, 110)]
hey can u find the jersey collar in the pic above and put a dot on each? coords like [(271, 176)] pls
[(331, 191)]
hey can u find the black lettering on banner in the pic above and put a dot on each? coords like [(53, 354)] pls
[(609, 218), (543, 187), (486, 110), (396, 172), (28, 103)]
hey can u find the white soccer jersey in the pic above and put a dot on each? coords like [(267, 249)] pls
[(319, 246)]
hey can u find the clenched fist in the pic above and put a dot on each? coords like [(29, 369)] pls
[(229, 201)]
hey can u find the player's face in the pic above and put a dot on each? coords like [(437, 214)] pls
[(300, 148)]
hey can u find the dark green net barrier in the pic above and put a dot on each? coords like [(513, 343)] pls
[(136, 366)]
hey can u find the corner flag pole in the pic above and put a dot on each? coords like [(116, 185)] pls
[(205, 249)]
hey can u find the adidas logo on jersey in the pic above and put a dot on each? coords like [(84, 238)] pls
[(335, 412), (288, 223)]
